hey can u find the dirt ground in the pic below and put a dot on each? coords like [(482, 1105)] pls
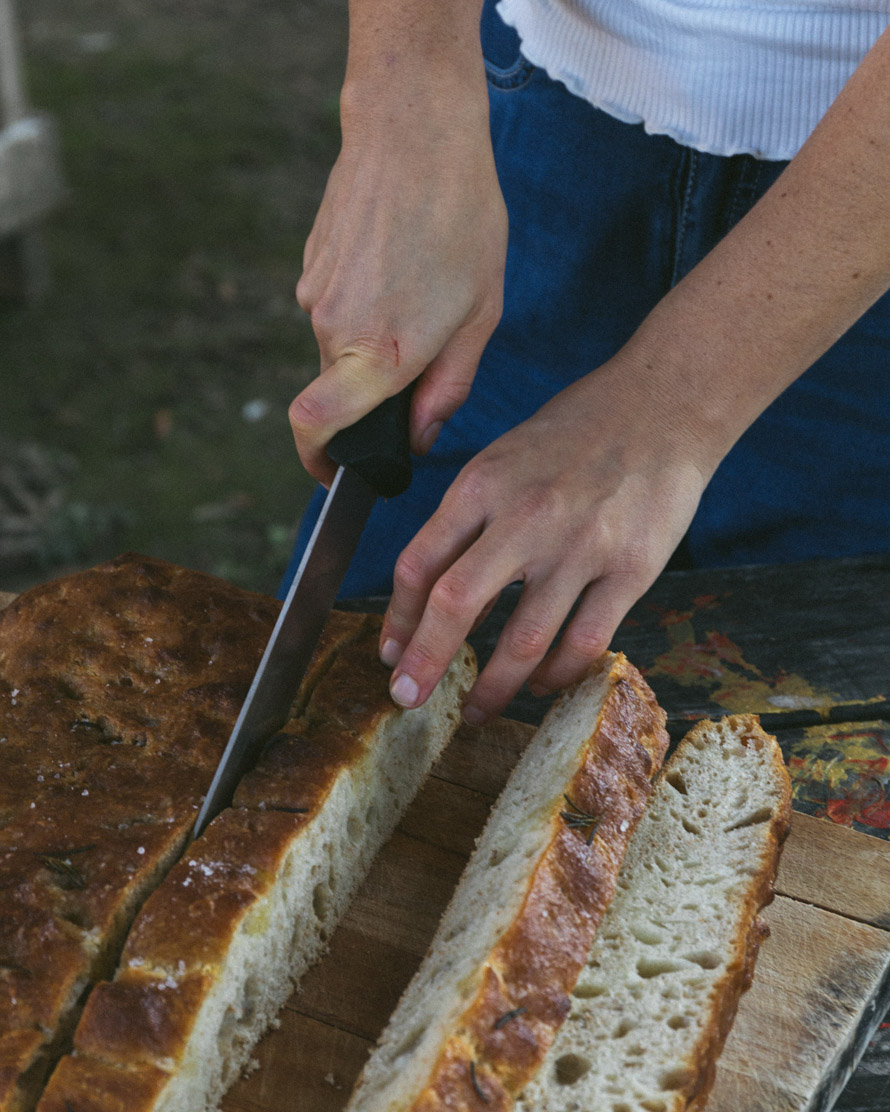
[(144, 404)]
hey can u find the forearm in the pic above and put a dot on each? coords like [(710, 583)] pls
[(585, 501), (791, 277)]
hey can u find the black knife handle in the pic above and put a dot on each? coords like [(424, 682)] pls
[(376, 447)]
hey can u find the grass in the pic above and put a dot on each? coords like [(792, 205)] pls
[(171, 312)]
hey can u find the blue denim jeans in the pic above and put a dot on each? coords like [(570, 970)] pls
[(604, 219)]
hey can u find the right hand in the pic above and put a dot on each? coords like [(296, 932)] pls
[(404, 268), (583, 502)]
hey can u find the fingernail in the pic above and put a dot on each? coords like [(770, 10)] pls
[(391, 652), (404, 690), (429, 436), (538, 690), (473, 716)]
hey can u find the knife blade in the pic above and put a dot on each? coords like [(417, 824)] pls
[(374, 460)]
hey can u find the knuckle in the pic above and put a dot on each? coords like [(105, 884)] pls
[(472, 486), (526, 642), (410, 573), (543, 505), (451, 599), (325, 316), (422, 660), (584, 642), (453, 394), (364, 356), (634, 563), (426, 655), (304, 295), (468, 489), (349, 329), (387, 348)]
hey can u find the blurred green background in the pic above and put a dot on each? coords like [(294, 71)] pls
[(144, 402)]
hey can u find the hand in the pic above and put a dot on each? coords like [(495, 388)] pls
[(589, 498), (586, 500), (404, 267)]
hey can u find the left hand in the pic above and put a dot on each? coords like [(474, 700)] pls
[(586, 499)]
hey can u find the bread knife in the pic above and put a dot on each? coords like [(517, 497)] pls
[(373, 461)]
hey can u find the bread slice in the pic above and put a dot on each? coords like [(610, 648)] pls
[(475, 1022), (659, 991), (216, 950)]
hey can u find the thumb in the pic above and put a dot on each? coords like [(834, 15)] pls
[(354, 384)]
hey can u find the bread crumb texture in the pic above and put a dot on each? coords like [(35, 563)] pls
[(118, 690), (658, 992), (475, 1023)]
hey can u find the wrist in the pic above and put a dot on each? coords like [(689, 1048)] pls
[(683, 397), (408, 59), (713, 354), (654, 405), (395, 110)]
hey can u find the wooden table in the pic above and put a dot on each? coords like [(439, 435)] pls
[(807, 647)]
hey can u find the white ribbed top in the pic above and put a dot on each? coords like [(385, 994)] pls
[(723, 76)]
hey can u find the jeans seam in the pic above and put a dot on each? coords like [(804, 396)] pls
[(691, 168), (743, 193)]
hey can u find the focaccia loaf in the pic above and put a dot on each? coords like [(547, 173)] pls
[(475, 1023), (217, 949), (118, 690), (659, 991)]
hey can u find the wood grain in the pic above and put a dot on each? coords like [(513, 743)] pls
[(837, 869), (304, 1065), (821, 983), (822, 980)]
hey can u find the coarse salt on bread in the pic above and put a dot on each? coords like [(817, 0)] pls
[(659, 991), (217, 949), (118, 687), (477, 1019), (118, 690)]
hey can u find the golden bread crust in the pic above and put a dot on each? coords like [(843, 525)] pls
[(181, 937), (19, 1052), (118, 690), (751, 931), (301, 762), (187, 923), (135, 653), (85, 1085), (140, 1019), (524, 990), (177, 967)]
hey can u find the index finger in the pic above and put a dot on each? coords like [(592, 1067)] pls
[(455, 525), (449, 609)]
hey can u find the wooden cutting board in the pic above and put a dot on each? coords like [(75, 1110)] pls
[(821, 985)]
